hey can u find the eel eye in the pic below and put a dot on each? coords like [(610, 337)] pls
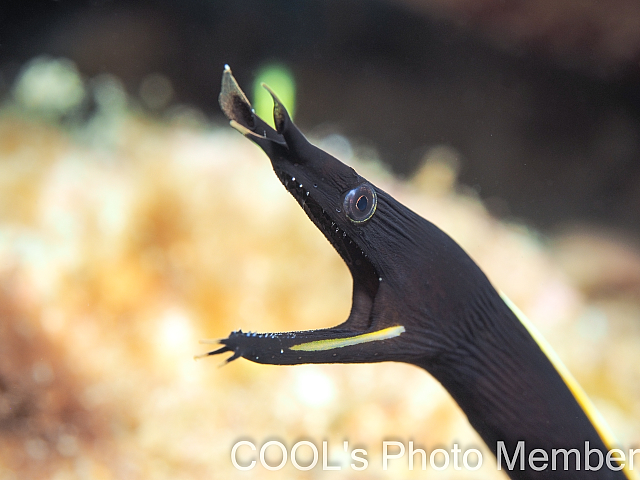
[(360, 203)]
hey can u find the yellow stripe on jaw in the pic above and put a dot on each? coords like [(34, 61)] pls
[(332, 343)]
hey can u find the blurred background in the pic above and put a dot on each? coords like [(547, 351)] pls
[(134, 221)]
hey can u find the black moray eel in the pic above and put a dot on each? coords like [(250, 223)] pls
[(417, 298)]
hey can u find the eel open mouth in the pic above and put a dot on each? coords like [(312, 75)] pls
[(339, 209)]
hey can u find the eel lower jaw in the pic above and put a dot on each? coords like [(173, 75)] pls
[(332, 345), (349, 342), (311, 346)]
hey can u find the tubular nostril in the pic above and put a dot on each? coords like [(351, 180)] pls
[(280, 114)]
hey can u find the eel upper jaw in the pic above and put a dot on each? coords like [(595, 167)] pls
[(363, 271), (237, 108)]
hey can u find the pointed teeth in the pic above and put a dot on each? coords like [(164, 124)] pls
[(280, 114)]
